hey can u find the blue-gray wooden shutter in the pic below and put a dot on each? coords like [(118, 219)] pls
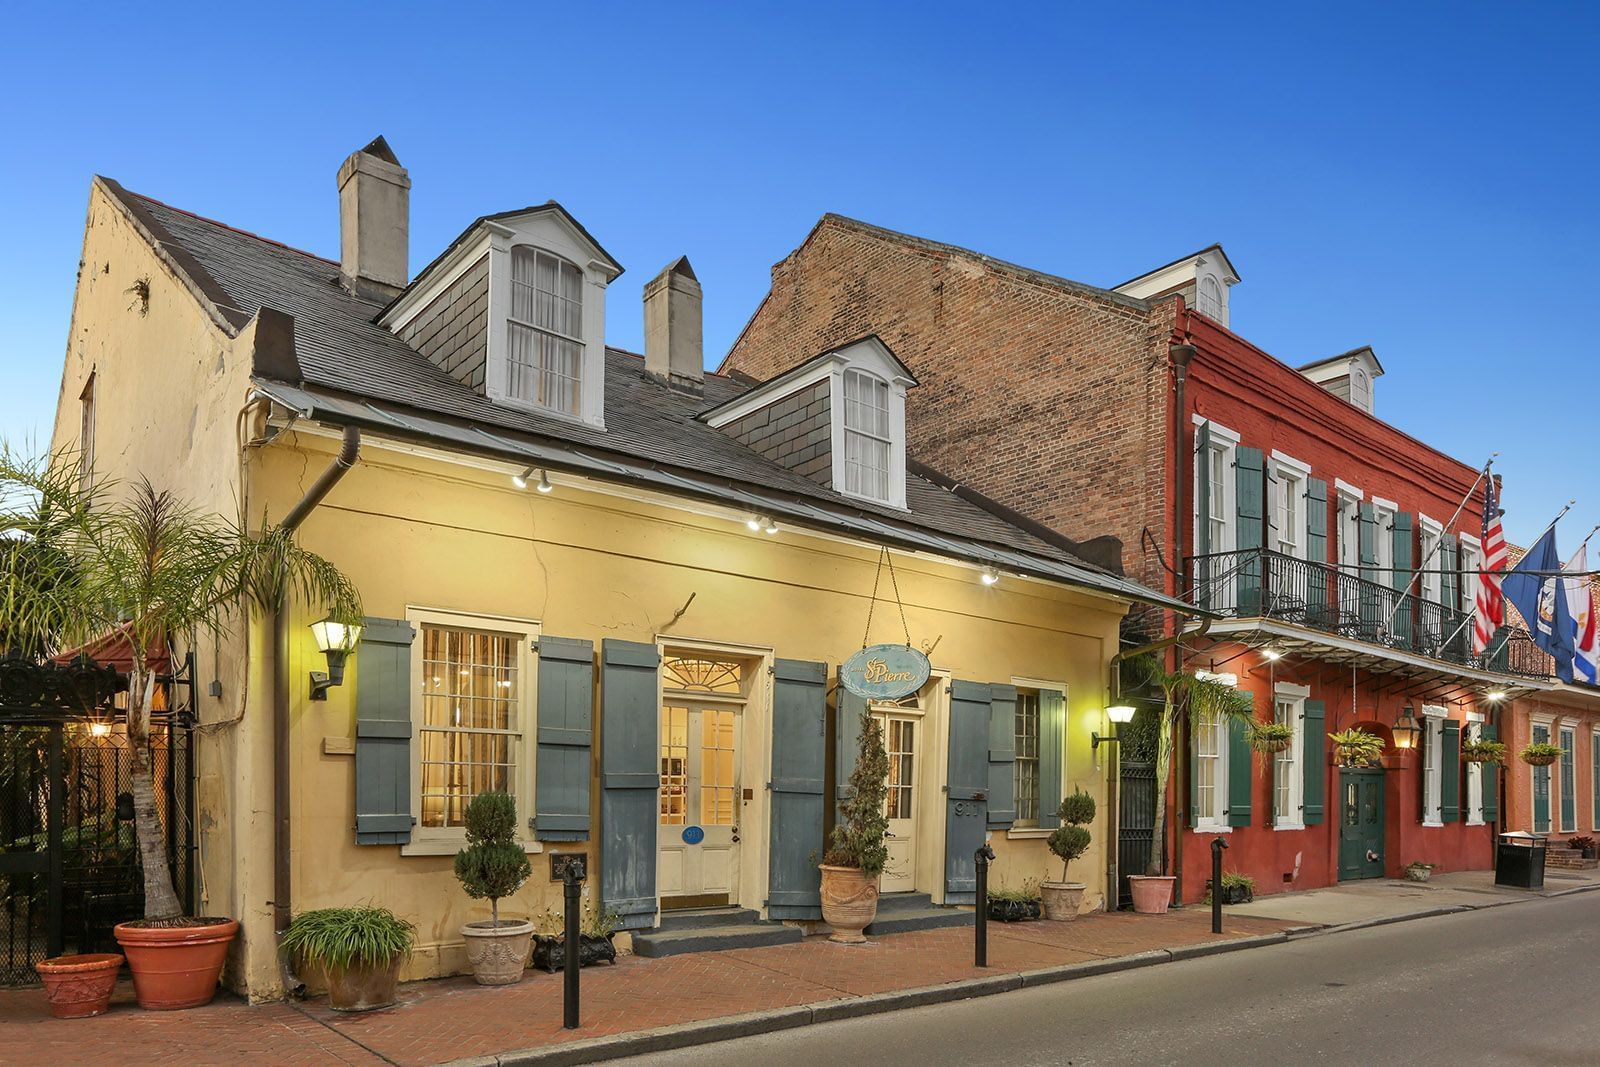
[(383, 732), (1400, 578), (1241, 771), (1002, 803), (1204, 568), (1319, 605), (1491, 790), (1367, 557), (1250, 469), (968, 783), (1052, 746), (846, 742), (1450, 774), (1313, 741), (566, 732), (799, 755), (630, 778)]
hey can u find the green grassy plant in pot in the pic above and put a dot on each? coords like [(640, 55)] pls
[(493, 866), (857, 853), (359, 950), (1069, 841)]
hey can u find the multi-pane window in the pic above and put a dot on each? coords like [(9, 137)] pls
[(674, 766), (1027, 756), (1289, 494), (86, 435), (1473, 731), (866, 435), (1569, 780), (544, 352), (1349, 532), (1217, 498), (1210, 785), (1430, 562), (1286, 780), (1210, 302), (1432, 769), (717, 788), (900, 743), (471, 728)]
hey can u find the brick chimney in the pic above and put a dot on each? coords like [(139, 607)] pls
[(374, 221), (673, 350)]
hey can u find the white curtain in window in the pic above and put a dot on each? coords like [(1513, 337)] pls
[(544, 355), (866, 435)]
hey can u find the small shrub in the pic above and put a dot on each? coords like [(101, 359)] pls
[(1071, 839), (494, 864), (858, 838)]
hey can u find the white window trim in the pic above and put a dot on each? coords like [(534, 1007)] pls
[(1216, 822), (1286, 467), (438, 841), (897, 435), (1433, 717), (1350, 500), (1029, 833), (1432, 581), (1469, 578), (1228, 440), (1474, 812), (1299, 694), (1558, 793)]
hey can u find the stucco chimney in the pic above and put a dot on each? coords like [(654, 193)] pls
[(374, 220), (673, 350)]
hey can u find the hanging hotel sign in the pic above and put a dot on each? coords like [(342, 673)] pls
[(884, 672)]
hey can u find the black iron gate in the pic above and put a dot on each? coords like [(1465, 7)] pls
[(1136, 812), (69, 864)]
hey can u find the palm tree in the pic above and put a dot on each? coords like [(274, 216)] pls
[(80, 562)]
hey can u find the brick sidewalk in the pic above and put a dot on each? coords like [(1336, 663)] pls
[(454, 1018)]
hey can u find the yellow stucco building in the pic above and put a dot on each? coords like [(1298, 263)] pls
[(611, 585)]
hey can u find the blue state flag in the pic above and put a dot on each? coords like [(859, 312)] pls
[(1542, 603)]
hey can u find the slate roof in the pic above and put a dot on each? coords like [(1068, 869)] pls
[(353, 370)]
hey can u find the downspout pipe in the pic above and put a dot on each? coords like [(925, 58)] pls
[(282, 900)]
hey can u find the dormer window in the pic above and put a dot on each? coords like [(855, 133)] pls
[(544, 331), (1211, 299), (867, 440)]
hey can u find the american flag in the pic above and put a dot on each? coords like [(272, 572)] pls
[(1489, 606)]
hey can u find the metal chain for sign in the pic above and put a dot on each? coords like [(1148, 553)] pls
[(884, 557)]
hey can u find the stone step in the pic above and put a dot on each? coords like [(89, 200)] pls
[(900, 920), (904, 902), (700, 918), (656, 944)]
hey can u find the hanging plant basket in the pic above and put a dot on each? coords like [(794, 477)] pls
[(1540, 755), (1483, 752), (1269, 737)]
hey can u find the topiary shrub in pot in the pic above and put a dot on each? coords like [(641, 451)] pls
[(1069, 842), (857, 853), (492, 866), (360, 950)]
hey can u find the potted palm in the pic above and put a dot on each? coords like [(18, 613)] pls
[(145, 566), (494, 865), (1356, 748), (857, 853), (1202, 699), (360, 950), (1068, 841)]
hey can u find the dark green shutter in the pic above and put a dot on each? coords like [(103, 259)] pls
[(968, 783), (1241, 772), (1450, 773), (1449, 562), (1052, 738), (566, 732), (1313, 762), (1319, 606), (1251, 488), (1491, 792), (630, 779), (383, 732), (846, 742), (799, 752), (1002, 804), (1367, 557), (1203, 568), (1400, 578)]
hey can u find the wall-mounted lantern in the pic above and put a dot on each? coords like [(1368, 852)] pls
[(1118, 714), (335, 640), (1406, 729)]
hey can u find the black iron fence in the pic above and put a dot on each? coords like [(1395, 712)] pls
[(1260, 583)]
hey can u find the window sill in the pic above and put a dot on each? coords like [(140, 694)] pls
[(1432, 823), (442, 846), (1289, 826), (1028, 833), (1475, 822), (1208, 828)]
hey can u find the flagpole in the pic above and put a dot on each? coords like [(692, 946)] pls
[(1480, 573), (1451, 521)]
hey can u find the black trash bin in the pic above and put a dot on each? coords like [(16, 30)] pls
[(1519, 860)]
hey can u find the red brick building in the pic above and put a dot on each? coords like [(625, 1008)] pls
[(1332, 545)]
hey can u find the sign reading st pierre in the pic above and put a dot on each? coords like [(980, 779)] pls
[(885, 672)]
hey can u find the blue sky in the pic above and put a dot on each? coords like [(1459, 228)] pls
[(1419, 177)]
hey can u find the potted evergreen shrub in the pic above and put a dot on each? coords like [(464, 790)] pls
[(857, 853), (1540, 754), (360, 950), (494, 865), (1069, 841)]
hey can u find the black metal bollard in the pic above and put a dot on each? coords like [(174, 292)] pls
[(980, 926), (571, 888), (1217, 845)]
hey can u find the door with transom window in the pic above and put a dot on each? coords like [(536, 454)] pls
[(902, 741), (697, 840)]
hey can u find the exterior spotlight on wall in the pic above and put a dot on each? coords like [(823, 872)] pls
[(335, 640), (772, 526), (521, 480), (754, 522), (1271, 654), (990, 576), (544, 482), (1496, 695)]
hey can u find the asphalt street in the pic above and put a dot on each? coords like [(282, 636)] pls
[(1506, 985)]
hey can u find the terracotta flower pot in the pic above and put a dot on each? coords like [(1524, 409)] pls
[(1061, 900), (79, 986), (1152, 893), (849, 903), (498, 954), (176, 964), (364, 987)]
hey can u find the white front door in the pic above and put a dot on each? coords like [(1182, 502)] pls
[(901, 740), (697, 839)]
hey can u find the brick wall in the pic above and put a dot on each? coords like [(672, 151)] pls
[(452, 330), (1046, 395), (795, 431)]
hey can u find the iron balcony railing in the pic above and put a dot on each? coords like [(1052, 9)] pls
[(1260, 583)]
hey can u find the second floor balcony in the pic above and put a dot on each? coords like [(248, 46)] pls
[(1356, 607)]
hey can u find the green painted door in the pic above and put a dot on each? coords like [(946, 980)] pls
[(1541, 786), (1360, 824)]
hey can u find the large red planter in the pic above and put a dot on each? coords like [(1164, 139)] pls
[(79, 986), (176, 964), (1152, 893)]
